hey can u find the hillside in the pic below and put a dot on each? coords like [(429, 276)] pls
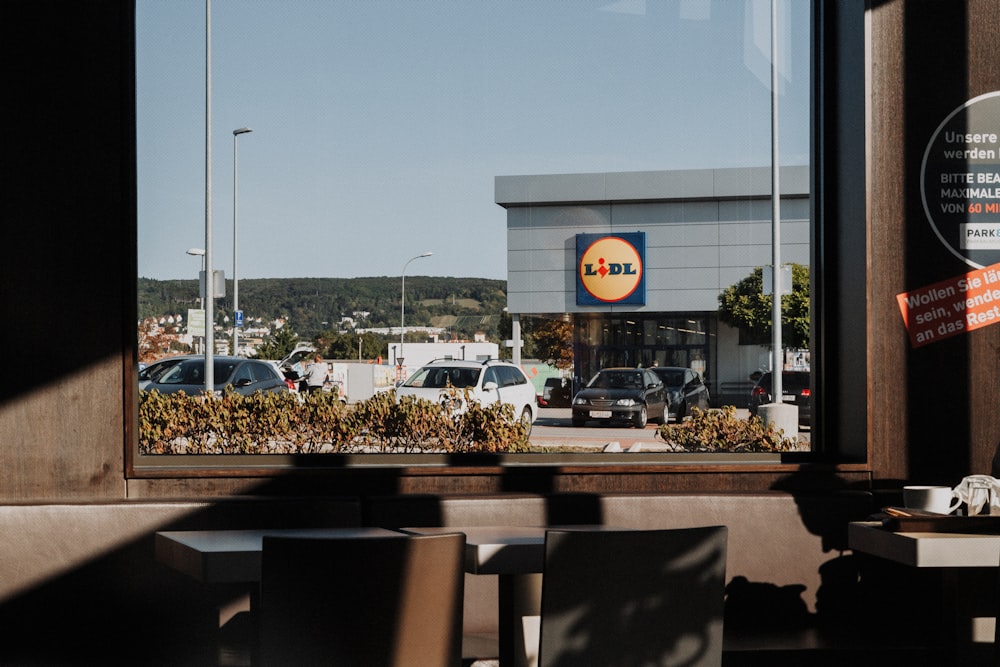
[(313, 305)]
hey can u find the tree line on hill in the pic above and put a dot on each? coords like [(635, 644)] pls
[(312, 306), (313, 310)]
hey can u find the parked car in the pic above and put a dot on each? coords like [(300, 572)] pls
[(621, 394), (293, 366), (795, 389), (149, 372), (452, 382), (557, 393), (685, 390), (245, 376)]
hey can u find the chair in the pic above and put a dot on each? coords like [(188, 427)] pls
[(633, 597), (371, 601)]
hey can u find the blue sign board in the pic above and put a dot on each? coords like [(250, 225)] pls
[(610, 269), (239, 318)]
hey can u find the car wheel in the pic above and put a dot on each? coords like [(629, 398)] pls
[(578, 421), (526, 420), (640, 418)]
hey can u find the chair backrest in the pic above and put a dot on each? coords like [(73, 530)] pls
[(372, 601), (633, 597)]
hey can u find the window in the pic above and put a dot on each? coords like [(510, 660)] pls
[(379, 130)]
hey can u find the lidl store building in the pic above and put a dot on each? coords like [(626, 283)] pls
[(638, 259)]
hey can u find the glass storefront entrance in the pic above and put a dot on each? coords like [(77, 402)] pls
[(644, 339)]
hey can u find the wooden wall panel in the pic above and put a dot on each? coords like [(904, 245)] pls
[(68, 270), (934, 409)]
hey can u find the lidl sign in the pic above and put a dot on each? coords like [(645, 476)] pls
[(610, 269)]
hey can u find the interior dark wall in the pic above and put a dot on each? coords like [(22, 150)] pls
[(933, 409), (68, 272)]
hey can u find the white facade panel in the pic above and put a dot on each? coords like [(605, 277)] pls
[(681, 300), (755, 182), (530, 301), (539, 260), (681, 236), (661, 213), (672, 257), (545, 239), (541, 281), (744, 256), (626, 186)]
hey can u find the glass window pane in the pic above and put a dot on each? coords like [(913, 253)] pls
[(378, 130)]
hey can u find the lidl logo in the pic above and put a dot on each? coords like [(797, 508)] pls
[(610, 269)]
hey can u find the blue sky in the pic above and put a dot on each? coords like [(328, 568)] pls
[(379, 125)]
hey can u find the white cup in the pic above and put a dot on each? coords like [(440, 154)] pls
[(937, 499)]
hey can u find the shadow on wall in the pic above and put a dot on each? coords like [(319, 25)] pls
[(859, 595), (123, 607)]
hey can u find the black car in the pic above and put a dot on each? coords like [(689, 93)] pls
[(557, 393), (685, 390), (621, 394), (245, 376), (795, 390)]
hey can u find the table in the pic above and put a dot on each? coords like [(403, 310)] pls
[(925, 549), (234, 556), (516, 555), (962, 556)]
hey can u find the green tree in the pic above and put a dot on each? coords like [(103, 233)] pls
[(552, 341), (278, 345), (746, 308), (345, 346)]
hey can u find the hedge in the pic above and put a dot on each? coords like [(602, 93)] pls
[(291, 423)]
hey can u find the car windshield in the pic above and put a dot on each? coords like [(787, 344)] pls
[(192, 371), (441, 377), (616, 380), (155, 370)]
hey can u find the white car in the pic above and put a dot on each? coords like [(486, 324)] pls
[(449, 381)]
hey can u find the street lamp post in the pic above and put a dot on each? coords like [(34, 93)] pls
[(402, 305), (236, 278), (209, 373), (199, 252)]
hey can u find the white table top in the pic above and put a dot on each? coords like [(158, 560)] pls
[(925, 549), (503, 549), (230, 556)]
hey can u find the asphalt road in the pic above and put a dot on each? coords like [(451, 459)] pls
[(554, 428)]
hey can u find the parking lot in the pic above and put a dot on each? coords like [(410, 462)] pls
[(554, 429)]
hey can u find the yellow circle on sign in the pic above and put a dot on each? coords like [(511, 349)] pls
[(610, 269)]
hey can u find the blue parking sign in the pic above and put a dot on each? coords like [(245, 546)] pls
[(239, 318)]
